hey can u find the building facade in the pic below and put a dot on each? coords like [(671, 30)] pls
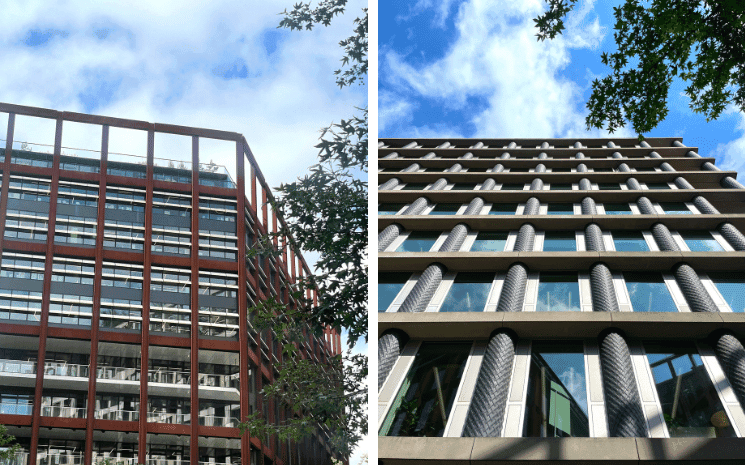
[(125, 331), (559, 300)]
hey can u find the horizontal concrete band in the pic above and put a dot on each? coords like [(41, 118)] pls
[(681, 163), (560, 261), (713, 194), (560, 325), (631, 152), (548, 177), (496, 451), (561, 222)]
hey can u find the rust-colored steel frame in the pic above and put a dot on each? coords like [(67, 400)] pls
[(246, 202)]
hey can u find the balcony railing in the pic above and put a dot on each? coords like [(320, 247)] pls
[(223, 381), (59, 459), (212, 420), (114, 461), (18, 367), (62, 412), (168, 417), (117, 415), (168, 376), (118, 373), (65, 369), (16, 409), (20, 458)]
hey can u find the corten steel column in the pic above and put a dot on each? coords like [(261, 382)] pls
[(145, 330), (44, 323), (95, 320), (489, 401), (194, 339), (244, 359), (6, 177)]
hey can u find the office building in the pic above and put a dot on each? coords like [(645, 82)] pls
[(559, 301), (125, 331)]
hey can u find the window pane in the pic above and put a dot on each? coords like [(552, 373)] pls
[(519, 170), (675, 208), (560, 209), (390, 208), (468, 293), (422, 406), (602, 170), (415, 186), (617, 209), (561, 170), (556, 186), (463, 186), (555, 241), (389, 285), (445, 209), (690, 403), (512, 187), (649, 293), (419, 241), (558, 292), (557, 395), (608, 186), (489, 242), (630, 241), (503, 209), (701, 241), (732, 288), (657, 185)]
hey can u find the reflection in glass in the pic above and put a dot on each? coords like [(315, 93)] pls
[(422, 406), (658, 185), (415, 186), (689, 401), (617, 209), (630, 241), (557, 394), (559, 241), (701, 241), (389, 285), (468, 293), (512, 187), (503, 209), (649, 293), (560, 186), (390, 208), (609, 186), (560, 209), (558, 292), (419, 241), (445, 209), (732, 288), (463, 186), (675, 208), (489, 242)]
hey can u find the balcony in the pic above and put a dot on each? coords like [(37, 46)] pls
[(16, 409), (73, 458), (212, 420), (20, 458), (65, 369), (169, 417), (118, 373), (18, 367), (117, 415), (58, 411)]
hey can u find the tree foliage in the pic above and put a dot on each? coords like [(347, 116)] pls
[(326, 212), (8, 447), (701, 42)]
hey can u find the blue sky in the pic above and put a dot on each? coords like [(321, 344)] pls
[(474, 68)]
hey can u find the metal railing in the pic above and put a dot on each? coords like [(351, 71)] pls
[(212, 420), (59, 459), (20, 458), (62, 411), (65, 369), (117, 415), (168, 376), (16, 409), (167, 417), (118, 373), (17, 366)]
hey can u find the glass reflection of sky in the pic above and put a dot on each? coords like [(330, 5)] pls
[(732, 288), (630, 242), (468, 293), (701, 242), (419, 241), (559, 242), (649, 294), (490, 242), (570, 368), (617, 209), (389, 285), (558, 293), (681, 364)]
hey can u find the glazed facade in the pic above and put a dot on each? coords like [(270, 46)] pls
[(124, 294), (559, 300)]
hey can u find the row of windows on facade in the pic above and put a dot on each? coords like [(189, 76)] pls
[(557, 392), (554, 186), (607, 208), (471, 144), (119, 169), (562, 291), (641, 169)]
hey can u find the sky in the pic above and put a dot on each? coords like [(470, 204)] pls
[(474, 68), (218, 64)]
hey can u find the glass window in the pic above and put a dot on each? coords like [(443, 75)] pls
[(561, 170), (503, 209), (463, 186), (419, 241), (732, 287), (558, 292), (630, 241), (557, 395), (617, 209), (477, 170), (389, 285), (701, 241), (519, 170), (649, 293), (602, 170), (415, 186), (609, 186), (689, 401), (560, 209), (560, 186), (644, 169), (489, 242), (657, 185), (390, 208), (512, 187), (445, 209), (422, 406), (559, 241), (675, 208), (468, 293)]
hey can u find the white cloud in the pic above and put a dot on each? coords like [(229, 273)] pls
[(496, 59), (441, 7), (730, 155)]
